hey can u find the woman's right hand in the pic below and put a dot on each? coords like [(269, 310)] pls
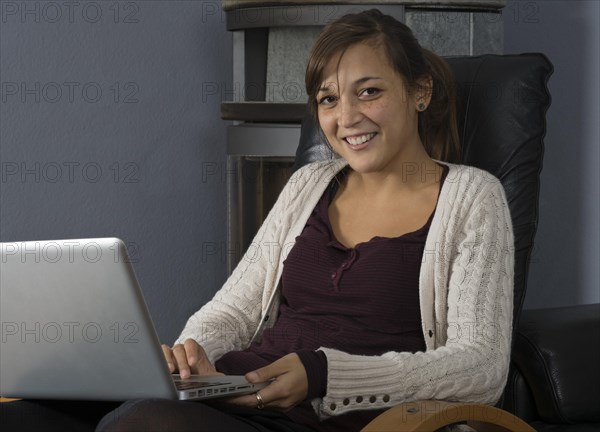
[(188, 358)]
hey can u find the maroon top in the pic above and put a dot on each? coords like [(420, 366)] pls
[(362, 300)]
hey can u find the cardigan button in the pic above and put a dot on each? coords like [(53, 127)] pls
[(430, 333), (346, 401), (373, 399), (332, 407), (359, 399), (386, 398)]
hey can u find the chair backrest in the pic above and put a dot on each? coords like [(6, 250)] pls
[(502, 102)]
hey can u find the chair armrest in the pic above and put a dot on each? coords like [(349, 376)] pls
[(430, 415), (3, 399), (557, 352)]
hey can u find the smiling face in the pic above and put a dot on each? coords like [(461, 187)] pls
[(366, 112)]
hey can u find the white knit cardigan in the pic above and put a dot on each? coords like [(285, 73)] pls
[(465, 288)]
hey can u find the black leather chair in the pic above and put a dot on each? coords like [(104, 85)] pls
[(501, 102), (555, 378)]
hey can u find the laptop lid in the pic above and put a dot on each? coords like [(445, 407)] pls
[(75, 325)]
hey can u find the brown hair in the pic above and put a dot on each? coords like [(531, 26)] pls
[(437, 124)]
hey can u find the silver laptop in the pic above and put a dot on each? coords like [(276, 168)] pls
[(75, 326)]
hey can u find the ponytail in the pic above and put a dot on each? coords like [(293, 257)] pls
[(438, 127)]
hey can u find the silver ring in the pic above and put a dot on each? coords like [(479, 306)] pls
[(260, 404)]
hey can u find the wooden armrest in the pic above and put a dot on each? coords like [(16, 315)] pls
[(431, 415), (3, 399)]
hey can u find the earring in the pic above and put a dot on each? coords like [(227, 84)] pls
[(421, 107)]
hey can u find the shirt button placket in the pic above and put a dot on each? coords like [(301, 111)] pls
[(335, 277)]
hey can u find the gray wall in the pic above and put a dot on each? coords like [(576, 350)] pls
[(131, 162), (565, 262)]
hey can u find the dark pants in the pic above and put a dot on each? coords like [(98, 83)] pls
[(52, 415), (140, 415)]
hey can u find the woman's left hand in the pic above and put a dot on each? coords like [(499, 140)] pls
[(288, 387)]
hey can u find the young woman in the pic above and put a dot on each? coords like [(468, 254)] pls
[(380, 277)]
